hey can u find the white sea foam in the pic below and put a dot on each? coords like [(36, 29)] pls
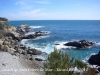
[(36, 27), (41, 37), (30, 33), (98, 44), (44, 32), (48, 48)]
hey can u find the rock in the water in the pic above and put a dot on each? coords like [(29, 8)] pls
[(95, 59), (57, 44), (80, 44), (34, 52)]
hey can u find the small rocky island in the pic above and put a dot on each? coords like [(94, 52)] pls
[(82, 44)]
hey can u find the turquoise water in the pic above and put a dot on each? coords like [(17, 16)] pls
[(62, 31)]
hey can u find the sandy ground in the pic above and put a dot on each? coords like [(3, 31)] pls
[(13, 65)]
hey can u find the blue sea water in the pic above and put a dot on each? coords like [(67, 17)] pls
[(62, 31)]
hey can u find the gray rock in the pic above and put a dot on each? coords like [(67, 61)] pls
[(5, 42), (38, 59)]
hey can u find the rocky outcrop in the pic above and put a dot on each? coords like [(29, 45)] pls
[(12, 35), (33, 36), (82, 44), (95, 59), (22, 29)]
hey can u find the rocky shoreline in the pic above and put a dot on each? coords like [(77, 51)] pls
[(11, 43)]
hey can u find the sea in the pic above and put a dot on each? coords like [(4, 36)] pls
[(60, 32)]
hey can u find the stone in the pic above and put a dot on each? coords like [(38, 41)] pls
[(34, 52), (3, 64), (30, 58), (5, 42), (20, 51), (38, 59), (6, 48)]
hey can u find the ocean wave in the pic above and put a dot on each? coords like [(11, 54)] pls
[(41, 37), (29, 33), (98, 43), (44, 32), (47, 48), (36, 27)]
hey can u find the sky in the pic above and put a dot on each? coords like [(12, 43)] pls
[(50, 9)]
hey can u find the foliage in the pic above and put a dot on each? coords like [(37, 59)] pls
[(4, 26), (61, 64), (1, 26), (3, 19)]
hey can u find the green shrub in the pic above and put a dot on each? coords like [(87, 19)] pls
[(62, 64), (1, 26), (4, 26), (3, 19)]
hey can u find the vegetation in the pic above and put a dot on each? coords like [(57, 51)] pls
[(3, 19), (4, 26), (61, 64)]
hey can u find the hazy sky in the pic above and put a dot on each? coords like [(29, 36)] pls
[(50, 9)]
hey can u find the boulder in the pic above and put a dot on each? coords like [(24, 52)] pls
[(6, 48), (95, 59), (31, 59), (34, 52), (20, 51), (1, 47), (38, 59), (5, 42), (80, 44), (11, 50)]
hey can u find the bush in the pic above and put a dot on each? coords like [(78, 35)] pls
[(62, 64), (4, 26), (1, 26), (3, 19)]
